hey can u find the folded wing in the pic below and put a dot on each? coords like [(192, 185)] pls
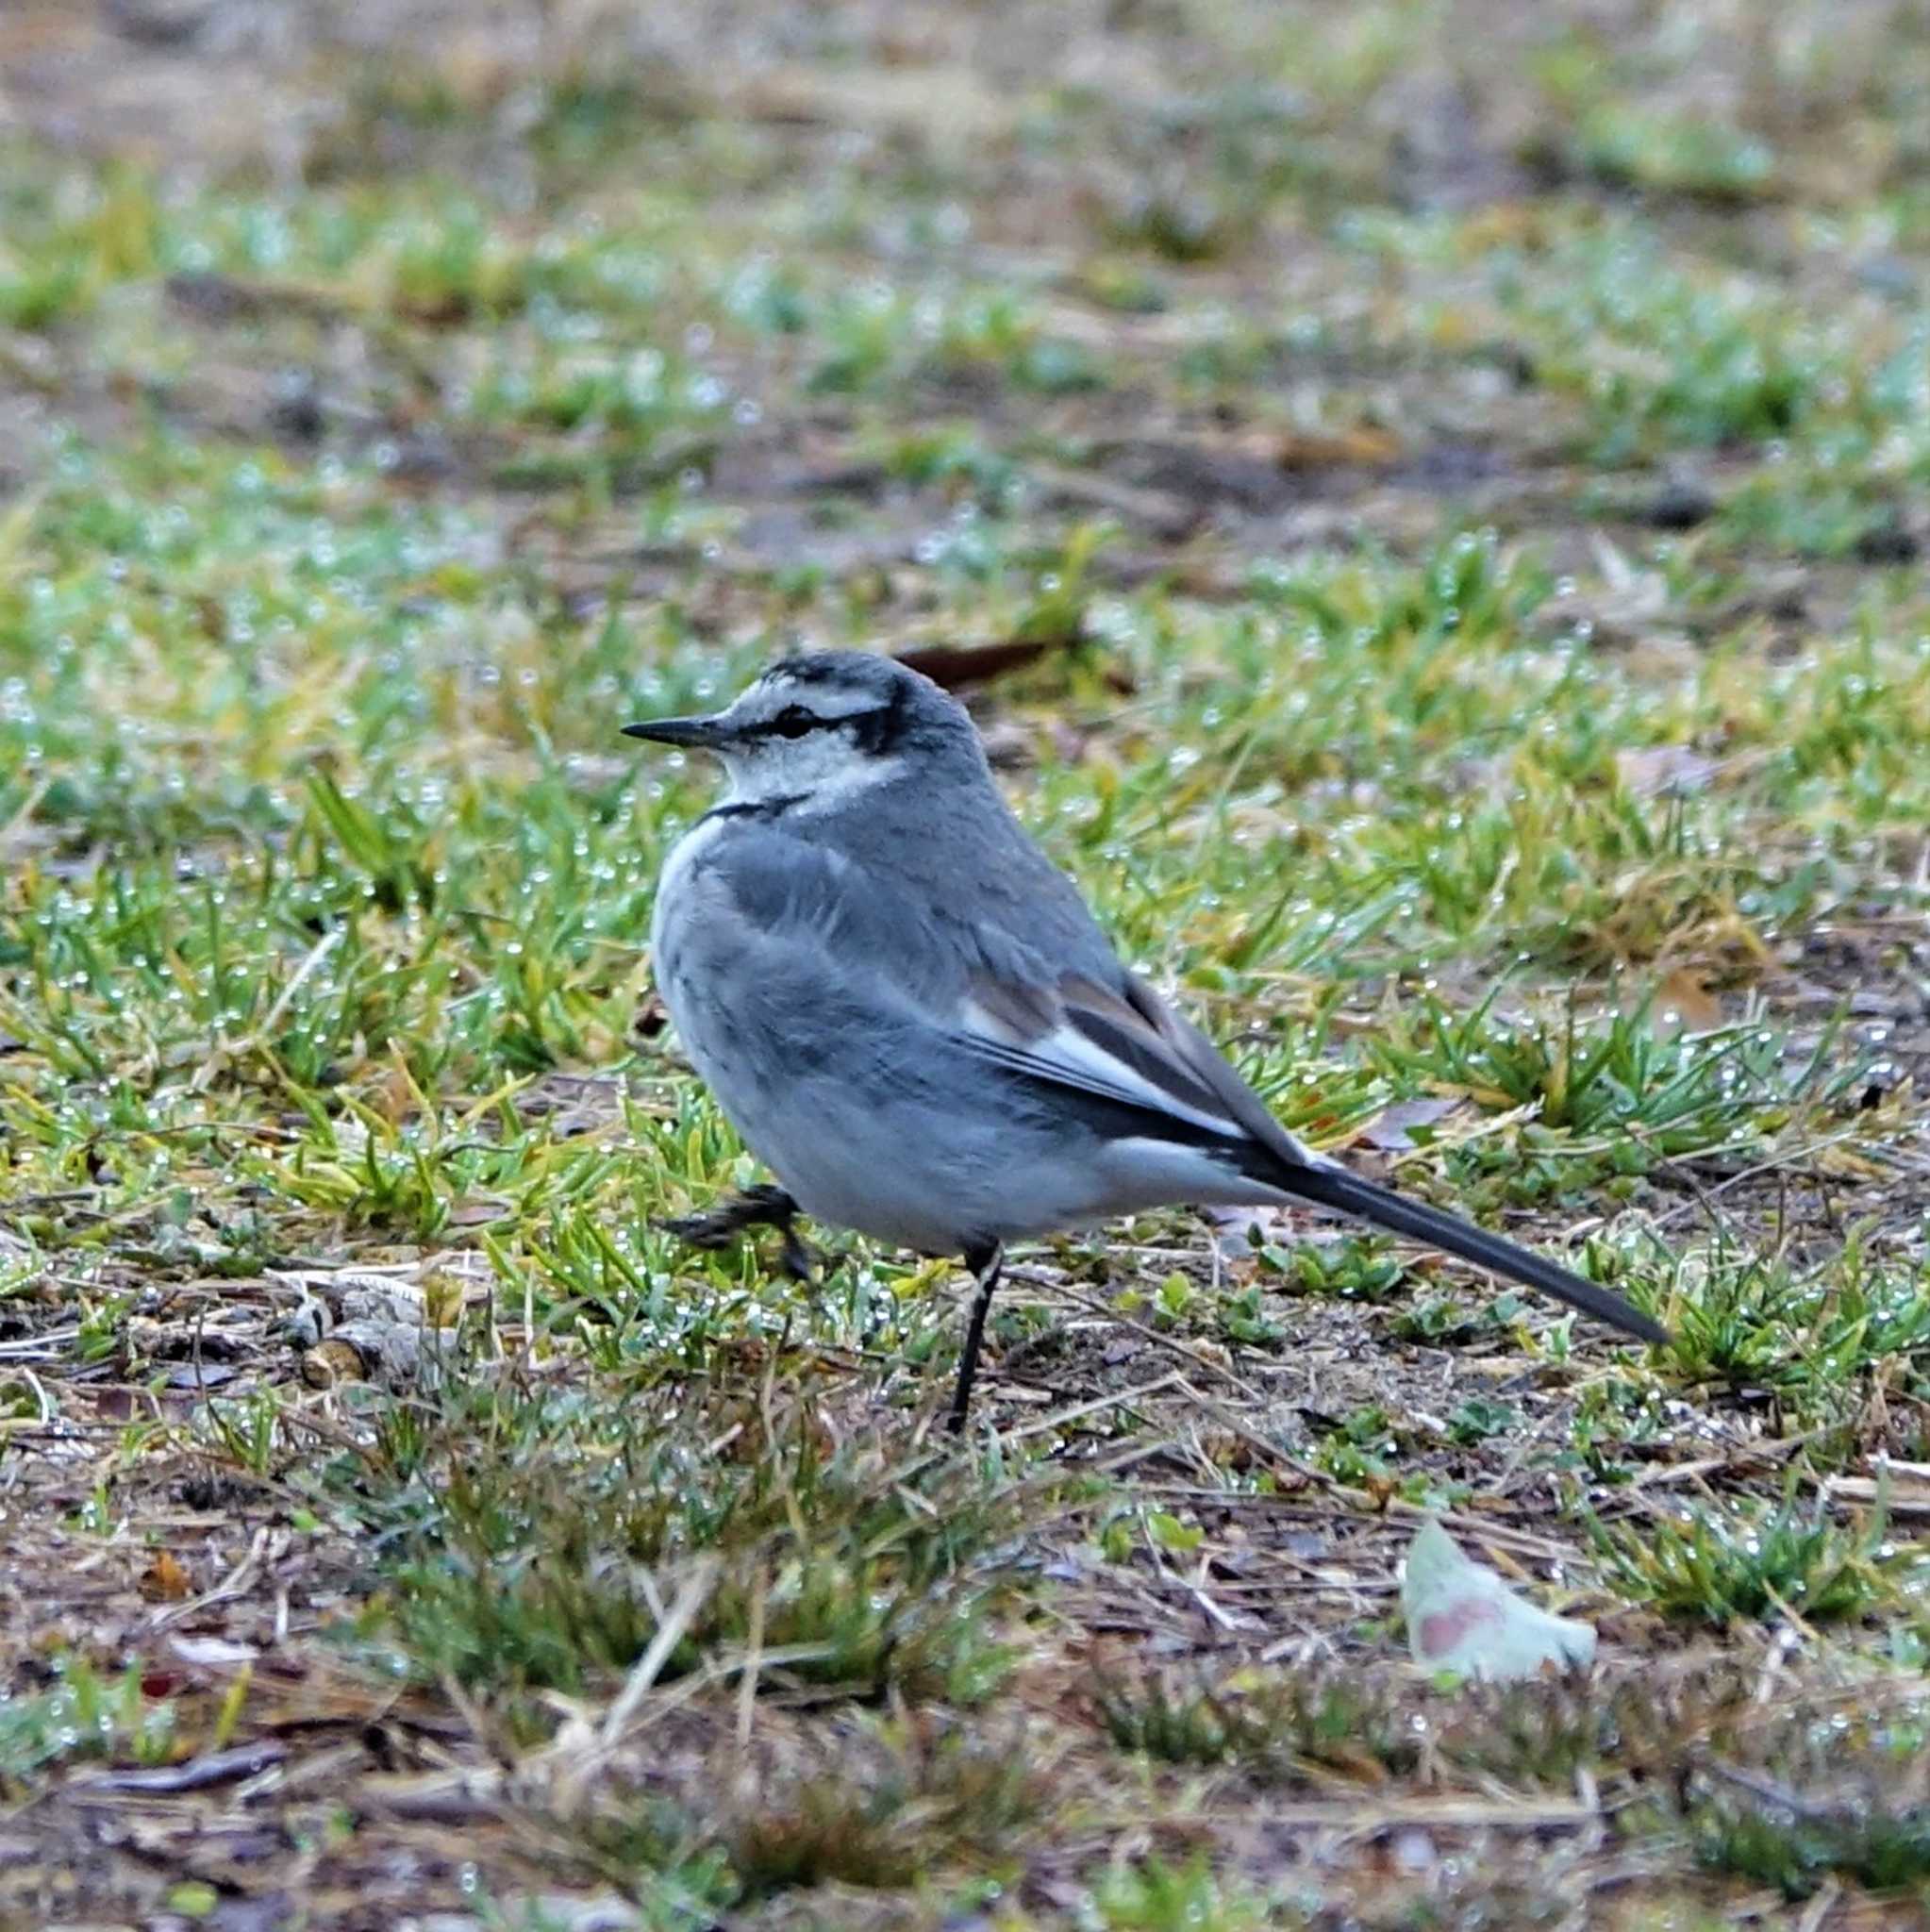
[(1127, 1047)]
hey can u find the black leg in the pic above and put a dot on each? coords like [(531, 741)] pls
[(762, 1207), (795, 1255), (984, 1263)]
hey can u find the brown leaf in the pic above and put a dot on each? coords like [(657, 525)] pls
[(166, 1579), (957, 667), (1317, 449), (1682, 1004)]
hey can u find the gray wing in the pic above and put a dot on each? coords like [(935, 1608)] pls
[(996, 949), (1124, 1044)]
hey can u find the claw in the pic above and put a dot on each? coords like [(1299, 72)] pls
[(759, 1206), (703, 1230)]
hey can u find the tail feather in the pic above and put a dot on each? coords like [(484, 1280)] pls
[(1349, 1194)]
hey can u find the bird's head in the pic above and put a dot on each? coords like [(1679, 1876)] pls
[(822, 725)]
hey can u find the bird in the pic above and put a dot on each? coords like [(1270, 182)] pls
[(913, 1020)]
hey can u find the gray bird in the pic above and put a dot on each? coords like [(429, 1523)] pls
[(913, 1021)]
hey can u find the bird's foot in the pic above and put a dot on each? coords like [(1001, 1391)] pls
[(759, 1206)]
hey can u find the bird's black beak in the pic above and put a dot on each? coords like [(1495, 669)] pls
[(700, 733)]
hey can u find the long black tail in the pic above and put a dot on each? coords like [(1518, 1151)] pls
[(1348, 1193)]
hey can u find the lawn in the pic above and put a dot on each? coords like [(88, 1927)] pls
[(1426, 503)]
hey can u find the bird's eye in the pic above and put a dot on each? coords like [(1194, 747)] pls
[(794, 722)]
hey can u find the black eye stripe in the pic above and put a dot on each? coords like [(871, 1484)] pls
[(792, 722), (795, 721)]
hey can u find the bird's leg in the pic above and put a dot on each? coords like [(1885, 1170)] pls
[(761, 1206), (985, 1261)]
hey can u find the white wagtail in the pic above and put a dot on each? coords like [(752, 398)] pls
[(912, 1019)]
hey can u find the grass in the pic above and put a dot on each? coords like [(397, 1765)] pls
[(1448, 532), (849, 1571)]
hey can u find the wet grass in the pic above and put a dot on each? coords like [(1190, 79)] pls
[(1448, 537)]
